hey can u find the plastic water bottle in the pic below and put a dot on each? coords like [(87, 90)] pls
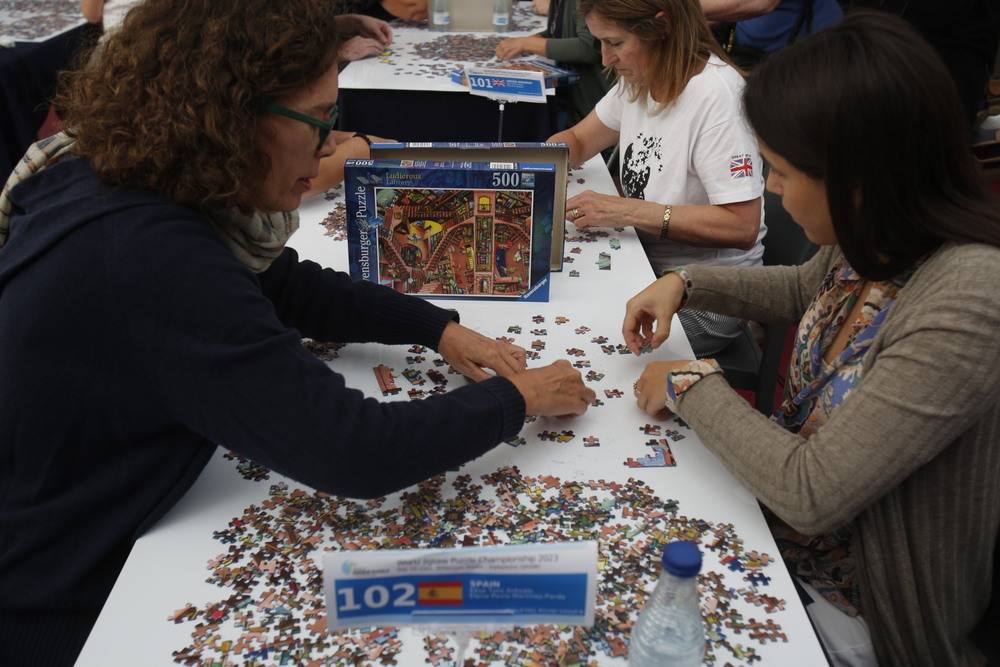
[(502, 14), (440, 18), (669, 631)]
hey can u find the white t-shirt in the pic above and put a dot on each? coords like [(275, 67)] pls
[(699, 150)]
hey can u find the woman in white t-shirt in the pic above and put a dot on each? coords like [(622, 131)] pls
[(690, 167)]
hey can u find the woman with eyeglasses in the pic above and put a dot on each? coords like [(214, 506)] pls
[(150, 310)]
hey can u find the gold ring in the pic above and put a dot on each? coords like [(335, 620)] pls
[(576, 213), (635, 388)]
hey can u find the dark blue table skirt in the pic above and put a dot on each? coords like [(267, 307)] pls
[(407, 115)]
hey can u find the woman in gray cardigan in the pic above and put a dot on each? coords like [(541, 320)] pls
[(881, 466)]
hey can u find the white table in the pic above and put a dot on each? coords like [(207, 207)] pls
[(422, 59), (275, 530), (407, 94)]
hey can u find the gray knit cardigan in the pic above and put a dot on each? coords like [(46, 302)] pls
[(910, 461)]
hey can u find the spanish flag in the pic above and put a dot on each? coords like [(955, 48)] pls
[(439, 593)]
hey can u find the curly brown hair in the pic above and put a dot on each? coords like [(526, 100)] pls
[(170, 101)]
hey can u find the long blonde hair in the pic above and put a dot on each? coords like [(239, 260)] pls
[(678, 43)]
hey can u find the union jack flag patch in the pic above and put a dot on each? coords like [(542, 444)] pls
[(740, 166)]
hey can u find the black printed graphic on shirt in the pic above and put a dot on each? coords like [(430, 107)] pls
[(638, 162)]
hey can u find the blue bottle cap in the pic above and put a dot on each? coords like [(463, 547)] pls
[(682, 559)]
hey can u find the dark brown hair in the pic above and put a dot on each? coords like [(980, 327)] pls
[(169, 102), (867, 107)]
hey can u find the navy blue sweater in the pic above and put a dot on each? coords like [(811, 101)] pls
[(132, 342)]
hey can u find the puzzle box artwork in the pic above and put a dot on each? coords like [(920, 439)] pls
[(451, 229)]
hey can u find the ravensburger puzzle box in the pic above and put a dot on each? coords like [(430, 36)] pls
[(448, 228), (507, 151)]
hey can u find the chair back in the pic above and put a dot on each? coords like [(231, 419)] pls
[(758, 367), (785, 244)]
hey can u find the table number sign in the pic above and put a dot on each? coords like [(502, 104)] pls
[(468, 587), (506, 85)]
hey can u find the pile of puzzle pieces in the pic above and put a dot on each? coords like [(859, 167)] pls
[(272, 610)]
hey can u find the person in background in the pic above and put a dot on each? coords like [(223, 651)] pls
[(880, 466), (364, 36), (690, 168), (567, 40), (150, 310), (750, 29), (350, 146), (540, 7), (965, 34), (387, 10)]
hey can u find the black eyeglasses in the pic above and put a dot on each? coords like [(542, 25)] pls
[(325, 126)]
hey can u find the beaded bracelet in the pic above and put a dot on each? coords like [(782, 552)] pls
[(363, 136), (665, 229)]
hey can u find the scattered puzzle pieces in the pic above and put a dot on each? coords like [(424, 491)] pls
[(273, 608)]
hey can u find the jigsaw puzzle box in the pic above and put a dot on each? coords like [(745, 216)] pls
[(535, 152), (448, 228)]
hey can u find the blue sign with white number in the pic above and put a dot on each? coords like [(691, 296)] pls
[(525, 596), (464, 587), (505, 84)]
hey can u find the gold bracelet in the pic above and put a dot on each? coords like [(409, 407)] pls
[(665, 229)]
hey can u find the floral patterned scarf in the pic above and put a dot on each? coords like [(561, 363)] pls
[(815, 389)]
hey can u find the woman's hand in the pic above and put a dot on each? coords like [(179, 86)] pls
[(648, 313), (593, 209), (377, 29), (651, 387), (359, 47), (556, 390), (470, 352), (512, 47)]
